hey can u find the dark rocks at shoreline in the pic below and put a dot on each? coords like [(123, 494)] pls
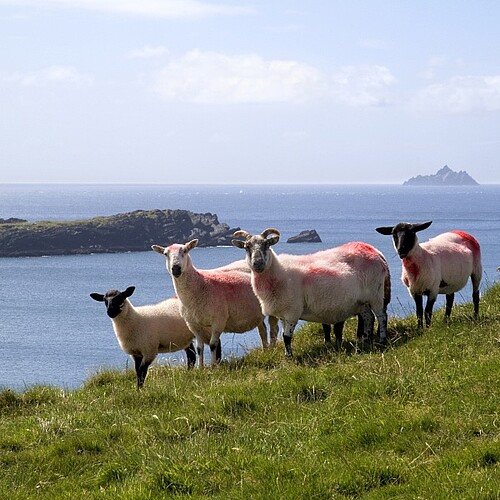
[(127, 232), (307, 236), (443, 177)]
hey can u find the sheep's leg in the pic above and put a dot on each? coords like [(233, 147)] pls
[(327, 332), (420, 309), (218, 352), (368, 324), (141, 369), (191, 355), (338, 330), (288, 328), (273, 330), (360, 330), (431, 299), (200, 347), (450, 297), (263, 334), (215, 348), (382, 325), (475, 293)]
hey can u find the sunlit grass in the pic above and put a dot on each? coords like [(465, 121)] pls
[(419, 418)]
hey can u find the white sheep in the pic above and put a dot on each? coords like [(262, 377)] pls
[(219, 300), (144, 331), (325, 287), (441, 265)]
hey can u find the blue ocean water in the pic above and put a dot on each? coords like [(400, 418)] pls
[(52, 332)]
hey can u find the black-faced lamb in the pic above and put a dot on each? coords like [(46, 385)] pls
[(325, 287), (144, 331), (218, 300), (441, 265)]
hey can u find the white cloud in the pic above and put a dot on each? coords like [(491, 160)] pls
[(148, 52), (433, 64), (209, 77), (461, 94), (47, 76), (362, 85), (171, 9)]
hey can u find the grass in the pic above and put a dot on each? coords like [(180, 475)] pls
[(419, 419)]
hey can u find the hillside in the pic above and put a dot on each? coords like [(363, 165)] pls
[(419, 419), (126, 232)]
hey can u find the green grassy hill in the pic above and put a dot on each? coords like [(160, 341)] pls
[(420, 419)]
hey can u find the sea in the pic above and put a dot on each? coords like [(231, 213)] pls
[(53, 333)]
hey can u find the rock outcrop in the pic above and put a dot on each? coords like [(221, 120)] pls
[(307, 236), (443, 177), (127, 232)]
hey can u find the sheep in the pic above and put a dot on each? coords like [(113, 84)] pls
[(220, 300), (441, 265), (325, 287), (144, 331)]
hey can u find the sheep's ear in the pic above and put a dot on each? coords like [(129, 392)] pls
[(191, 244), (129, 291), (421, 226), (272, 240), (97, 296), (158, 248), (386, 230), (238, 243)]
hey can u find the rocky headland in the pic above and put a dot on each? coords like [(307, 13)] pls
[(127, 232)]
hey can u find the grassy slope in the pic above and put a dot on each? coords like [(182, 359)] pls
[(418, 420)]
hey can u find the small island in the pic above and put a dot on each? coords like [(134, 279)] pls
[(126, 232), (306, 236), (445, 176)]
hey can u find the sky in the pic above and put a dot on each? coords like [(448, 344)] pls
[(248, 91)]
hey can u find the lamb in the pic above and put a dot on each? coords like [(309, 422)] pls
[(325, 287), (441, 265), (220, 300), (144, 331)]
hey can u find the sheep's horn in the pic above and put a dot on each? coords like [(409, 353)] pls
[(240, 232), (269, 231)]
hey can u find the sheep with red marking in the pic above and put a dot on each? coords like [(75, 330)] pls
[(325, 287), (144, 331), (220, 300), (441, 265)]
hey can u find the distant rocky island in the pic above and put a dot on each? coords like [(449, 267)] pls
[(445, 176), (126, 232), (306, 236)]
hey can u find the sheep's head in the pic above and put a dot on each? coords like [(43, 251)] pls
[(258, 253), (177, 256), (404, 236), (114, 300)]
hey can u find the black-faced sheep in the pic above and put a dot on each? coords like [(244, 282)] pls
[(144, 331), (441, 265)]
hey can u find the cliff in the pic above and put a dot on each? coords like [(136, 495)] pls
[(128, 232), (443, 177)]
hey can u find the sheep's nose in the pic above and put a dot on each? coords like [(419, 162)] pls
[(176, 270), (258, 266)]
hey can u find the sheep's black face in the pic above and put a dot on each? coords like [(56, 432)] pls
[(114, 302), (404, 238)]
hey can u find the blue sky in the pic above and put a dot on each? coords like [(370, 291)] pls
[(230, 91)]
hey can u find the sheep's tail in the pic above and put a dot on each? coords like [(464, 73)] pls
[(387, 282), (387, 288)]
